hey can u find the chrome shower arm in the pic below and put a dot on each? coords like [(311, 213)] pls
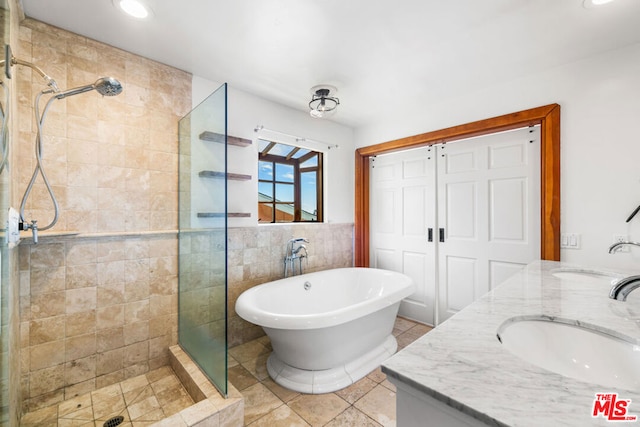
[(50, 81)]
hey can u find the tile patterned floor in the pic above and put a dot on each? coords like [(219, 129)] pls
[(146, 399), (141, 400), (369, 402)]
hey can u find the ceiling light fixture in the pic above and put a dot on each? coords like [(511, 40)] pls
[(594, 3), (133, 8), (323, 101)]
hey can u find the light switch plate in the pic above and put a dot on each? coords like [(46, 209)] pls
[(570, 241)]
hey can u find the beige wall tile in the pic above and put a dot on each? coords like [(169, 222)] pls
[(136, 311), (109, 339), (81, 276), (47, 255), (46, 355), (46, 380), (160, 326), (80, 346), (45, 280), (80, 323), (47, 305), (109, 317), (110, 294), (110, 273), (81, 252), (136, 332), (136, 353), (109, 362), (80, 300), (46, 330), (110, 251), (80, 370), (136, 291)]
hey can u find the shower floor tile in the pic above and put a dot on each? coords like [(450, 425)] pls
[(368, 402), (140, 400)]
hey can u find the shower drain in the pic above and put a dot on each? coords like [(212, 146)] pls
[(113, 422)]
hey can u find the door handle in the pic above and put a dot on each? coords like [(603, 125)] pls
[(441, 233), (430, 235)]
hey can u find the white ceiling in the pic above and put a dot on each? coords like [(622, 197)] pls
[(379, 54)]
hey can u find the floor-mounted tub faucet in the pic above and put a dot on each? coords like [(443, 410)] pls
[(295, 251)]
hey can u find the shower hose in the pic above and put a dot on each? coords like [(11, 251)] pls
[(39, 169)]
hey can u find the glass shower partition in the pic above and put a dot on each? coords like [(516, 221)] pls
[(202, 287), (9, 317)]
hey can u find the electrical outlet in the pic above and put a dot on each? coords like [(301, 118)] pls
[(617, 238)]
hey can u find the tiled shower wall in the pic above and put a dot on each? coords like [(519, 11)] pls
[(94, 312), (99, 307)]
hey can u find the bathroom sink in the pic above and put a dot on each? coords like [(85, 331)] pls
[(576, 351), (582, 275)]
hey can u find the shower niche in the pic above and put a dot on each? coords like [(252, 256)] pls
[(229, 141)]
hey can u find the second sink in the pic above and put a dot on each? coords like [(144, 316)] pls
[(575, 350), (578, 274)]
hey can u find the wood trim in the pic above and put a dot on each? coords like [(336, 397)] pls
[(548, 116), (550, 186), (320, 188), (361, 223)]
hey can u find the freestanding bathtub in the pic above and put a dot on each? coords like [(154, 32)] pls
[(328, 329)]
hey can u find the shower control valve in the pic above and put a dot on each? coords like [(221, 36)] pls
[(34, 228)]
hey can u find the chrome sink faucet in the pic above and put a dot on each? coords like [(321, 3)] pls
[(621, 290), (624, 287), (618, 245)]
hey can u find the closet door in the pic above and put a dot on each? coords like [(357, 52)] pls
[(402, 207), (488, 214)]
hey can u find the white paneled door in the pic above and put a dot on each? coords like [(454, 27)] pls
[(459, 218), (402, 206)]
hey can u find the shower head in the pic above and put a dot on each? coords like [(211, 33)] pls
[(106, 86)]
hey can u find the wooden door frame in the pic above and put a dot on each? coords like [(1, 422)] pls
[(548, 117)]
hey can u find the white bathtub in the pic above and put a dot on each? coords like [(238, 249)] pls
[(328, 329)]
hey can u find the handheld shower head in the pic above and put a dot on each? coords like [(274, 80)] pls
[(106, 86)]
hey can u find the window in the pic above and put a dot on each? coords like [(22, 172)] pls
[(289, 183)]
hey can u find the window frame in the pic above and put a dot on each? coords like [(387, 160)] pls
[(297, 184)]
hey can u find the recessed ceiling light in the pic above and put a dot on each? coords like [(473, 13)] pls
[(134, 8), (595, 3)]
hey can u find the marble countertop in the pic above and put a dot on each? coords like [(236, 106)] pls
[(462, 363)]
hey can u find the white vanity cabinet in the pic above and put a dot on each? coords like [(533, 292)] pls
[(417, 409)]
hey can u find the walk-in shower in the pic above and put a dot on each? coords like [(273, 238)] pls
[(106, 86)]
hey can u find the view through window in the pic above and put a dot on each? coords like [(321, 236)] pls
[(289, 183)]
